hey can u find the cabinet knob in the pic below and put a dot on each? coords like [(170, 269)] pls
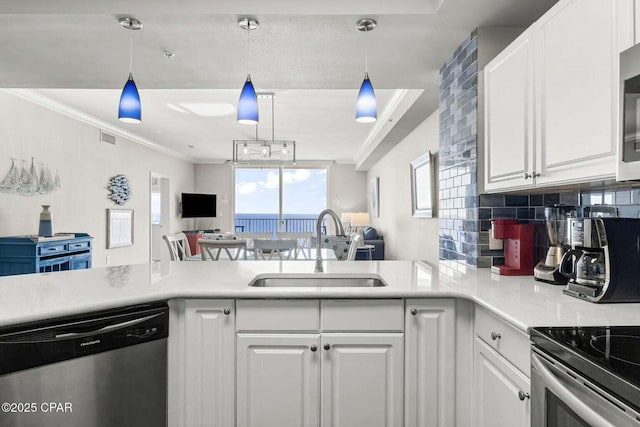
[(495, 335), (535, 175), (522, 395), (327, 346), (226, 311), (527, 175), (414, 311), (313, 348)]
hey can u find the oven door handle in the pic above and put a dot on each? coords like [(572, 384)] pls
[(590, 416)]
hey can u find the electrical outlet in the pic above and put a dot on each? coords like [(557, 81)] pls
[(107, 260)]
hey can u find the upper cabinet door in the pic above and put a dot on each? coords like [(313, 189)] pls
[(577, 91), (509, 109)]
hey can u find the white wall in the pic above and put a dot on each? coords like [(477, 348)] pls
[(346, 190), (216, 179), (85, 166), (406, 237)]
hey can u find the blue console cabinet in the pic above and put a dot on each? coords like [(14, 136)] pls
[(23, 255)]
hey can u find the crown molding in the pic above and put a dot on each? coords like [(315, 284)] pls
[(401, 100), (53, 105)]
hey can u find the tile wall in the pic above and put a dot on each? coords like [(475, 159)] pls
[(465, 216), (458, 155)]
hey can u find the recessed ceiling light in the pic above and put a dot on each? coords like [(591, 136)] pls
[(209, 109)]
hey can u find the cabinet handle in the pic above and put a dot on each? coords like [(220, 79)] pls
[(414, 311), (327, 346), (226, 311), (531, 175), (522, 395), (313, 348), (495, 336)]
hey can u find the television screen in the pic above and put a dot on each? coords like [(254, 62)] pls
[(198, 205)]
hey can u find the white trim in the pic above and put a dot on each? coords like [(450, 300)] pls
[(44, 101), (399, 103)]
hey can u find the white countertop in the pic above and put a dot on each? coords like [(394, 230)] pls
[(520, 300)]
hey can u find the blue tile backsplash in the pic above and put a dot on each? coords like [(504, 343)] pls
[(465, 215)]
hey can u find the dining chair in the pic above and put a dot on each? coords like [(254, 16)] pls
[(353, 247), (283, 248), (303, 239), (211, 248), (250, 237), (179, 249)]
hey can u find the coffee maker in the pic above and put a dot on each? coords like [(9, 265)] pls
[(556, 225), (518, 247), (603, 264)]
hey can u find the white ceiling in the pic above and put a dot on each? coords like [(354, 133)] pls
[(309, 54)]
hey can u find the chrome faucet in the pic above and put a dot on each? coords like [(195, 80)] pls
[(339, 232)]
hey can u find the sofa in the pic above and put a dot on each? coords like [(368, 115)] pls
[(371, 237)]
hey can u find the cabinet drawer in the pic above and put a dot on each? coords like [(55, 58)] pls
[(75, 246), (52, 249), (362, 315), (277, 315), (508, 341)]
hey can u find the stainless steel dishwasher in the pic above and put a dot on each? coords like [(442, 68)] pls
[(106, 369)]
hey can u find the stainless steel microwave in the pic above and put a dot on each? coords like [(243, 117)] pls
[(629, 144)]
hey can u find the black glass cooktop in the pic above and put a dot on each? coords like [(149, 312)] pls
[(609, 356)]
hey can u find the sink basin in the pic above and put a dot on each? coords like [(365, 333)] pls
[(317, 281)]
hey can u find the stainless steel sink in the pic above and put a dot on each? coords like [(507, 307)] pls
[(317, 281)]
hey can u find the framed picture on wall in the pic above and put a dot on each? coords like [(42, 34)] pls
[(119, 228), (422, 189), (374, 197)]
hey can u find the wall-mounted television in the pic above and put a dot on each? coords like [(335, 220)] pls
[(198, 205)]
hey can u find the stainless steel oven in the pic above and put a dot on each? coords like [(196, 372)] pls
[(585, 377)]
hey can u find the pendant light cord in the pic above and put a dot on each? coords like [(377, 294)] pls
[(131, 54), (248, 48), (366, 52)]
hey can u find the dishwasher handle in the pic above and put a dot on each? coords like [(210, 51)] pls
[(108, 328)]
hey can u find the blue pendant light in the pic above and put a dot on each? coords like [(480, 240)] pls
[(366, 109), (248, 104), (130, 107), (248, 113)]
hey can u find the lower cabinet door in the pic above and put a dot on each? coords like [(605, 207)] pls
[(278, 380), (501, 391), (362, 380), (201, 363), (430, 364)]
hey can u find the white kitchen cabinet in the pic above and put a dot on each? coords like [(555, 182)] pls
[(339, 364), (430, 365), (362, 379), (202, 363), (509, 112), (278, 380), (501, 392), (568, 132)]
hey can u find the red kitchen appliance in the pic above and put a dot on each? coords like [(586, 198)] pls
[(518, 247)]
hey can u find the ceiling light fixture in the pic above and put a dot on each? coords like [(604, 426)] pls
[(130, 107), (366, 110), (263, 152), (248, 102)]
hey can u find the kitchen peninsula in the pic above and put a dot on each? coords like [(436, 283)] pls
[(429, 334)]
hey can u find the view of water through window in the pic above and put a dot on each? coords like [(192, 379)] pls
[(279, 199)]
